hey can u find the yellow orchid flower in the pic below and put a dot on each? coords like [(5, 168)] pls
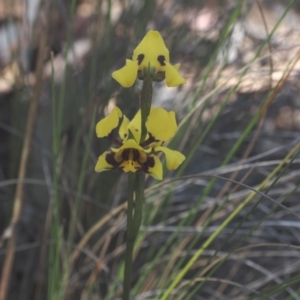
[(152, 52), (131, 155)]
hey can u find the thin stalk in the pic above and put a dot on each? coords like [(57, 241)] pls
[(237, 144), (239, 225), (139, 201), (61, 102), (136, 186), (280, 287), (134, 220), (191, 262), (76, 207), (129, 239), (55, 230), (145, 102), (18, 200)]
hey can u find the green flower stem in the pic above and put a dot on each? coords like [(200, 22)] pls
[(146, 99), (134, 219), (145, 102), (130, 238), (136, 189), (139, 200)]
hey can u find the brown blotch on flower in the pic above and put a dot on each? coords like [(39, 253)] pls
[(125, 154), (110, 158), (150, 140), (161, 59), (150, 162), (136, 155), (140, 58)]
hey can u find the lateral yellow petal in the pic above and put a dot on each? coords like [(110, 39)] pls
[(173, 78), (155, 167), (102, 164), (109, 123), (177, 66), (150, 49), (173, 158), (123, 130), (161, 124), (127, 75)]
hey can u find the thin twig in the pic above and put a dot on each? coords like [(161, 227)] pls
[(269, 43), (199, 252)]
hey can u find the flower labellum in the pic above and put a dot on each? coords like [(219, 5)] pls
[(151, 52)]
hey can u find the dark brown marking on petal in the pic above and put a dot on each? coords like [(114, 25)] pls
[(150, 140), (140, 58), (150, 162), (161, 59), (110, 159), (136, 154), (125, 154)]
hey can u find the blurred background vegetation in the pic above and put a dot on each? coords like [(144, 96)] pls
[(238, 116)]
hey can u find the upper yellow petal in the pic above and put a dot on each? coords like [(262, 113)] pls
[(161, 124), (155, 167), (173, 78), (127, 75), (151, 49), (102, 164), (123, 130), (109, 123), (135, 126), (173, 158)]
